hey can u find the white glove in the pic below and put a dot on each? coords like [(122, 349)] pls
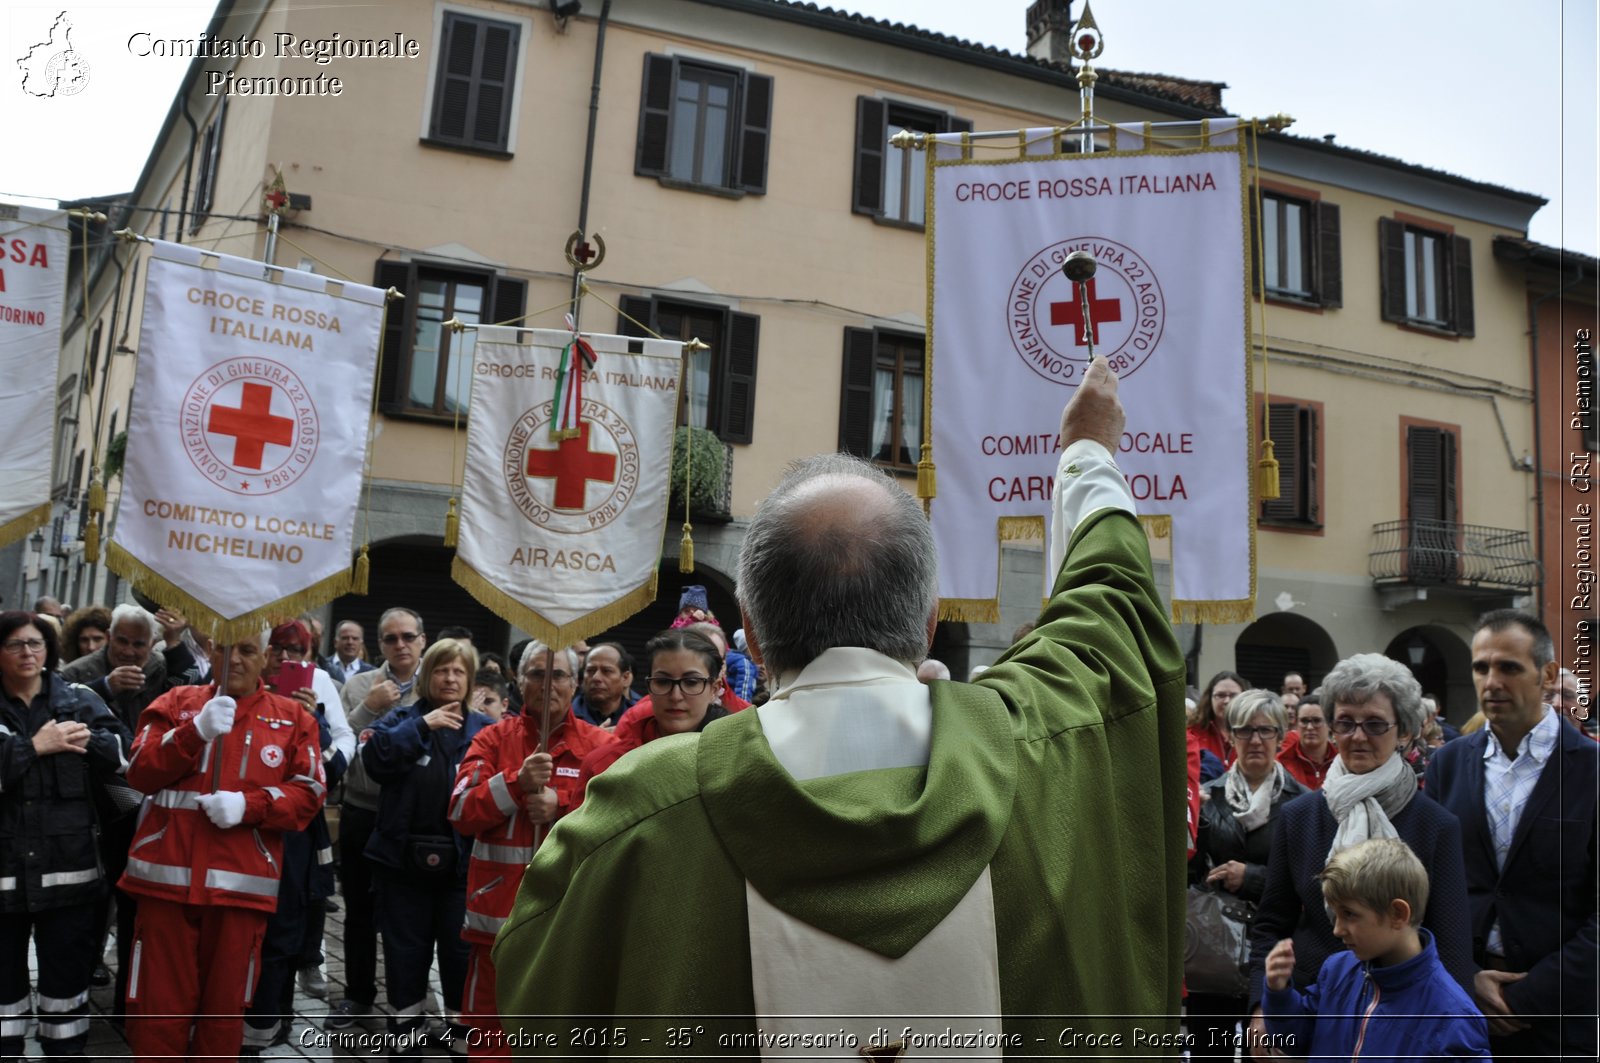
[(216, 717), (225, 808)]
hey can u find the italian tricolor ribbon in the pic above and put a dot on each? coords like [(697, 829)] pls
[(569, 388)]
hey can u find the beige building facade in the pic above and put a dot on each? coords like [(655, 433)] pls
[(740, 184)]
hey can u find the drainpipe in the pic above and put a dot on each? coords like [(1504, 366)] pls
[(188, 170), (1538, 423)]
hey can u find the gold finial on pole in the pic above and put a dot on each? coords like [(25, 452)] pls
[(1087, 44), (905, 138), (1277, 123)]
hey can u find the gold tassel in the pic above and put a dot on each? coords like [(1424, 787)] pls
[(91, 542), (362, 573), (927, 484), (452, 525), (686, 549), (1267, 473), (97, 496)]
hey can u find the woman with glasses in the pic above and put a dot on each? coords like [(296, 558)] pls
[(684, 689), (1370, 792), (508, 790), (57, 744), (420, 876), (1308, 750), (1209, 724), (1235, 837)]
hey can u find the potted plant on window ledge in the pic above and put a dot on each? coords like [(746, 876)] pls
[(700, 464)]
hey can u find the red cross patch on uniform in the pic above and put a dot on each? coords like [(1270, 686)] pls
[(272, 756)]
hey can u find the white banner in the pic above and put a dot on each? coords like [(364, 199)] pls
[(562, 537), (1170, 306), (247, 437), (33, 278)]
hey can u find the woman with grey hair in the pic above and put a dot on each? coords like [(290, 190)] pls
[(1375, 707), (1241, 805)]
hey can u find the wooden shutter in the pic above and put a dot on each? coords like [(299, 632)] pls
[(855, 399), (1392, 277), (1330, 275), (755, 133), (1283, 426), (497, 71), (452, 100), (639, 308), (1448, 507), (395, 349), (655, 116), (1461, 291), (1309, 465), (510, 299), (1424, 489), (872, 131), (738, 385)]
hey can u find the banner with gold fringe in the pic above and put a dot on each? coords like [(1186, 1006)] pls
[(247, 438), (33, 280), (1169, 307), (564, 498)]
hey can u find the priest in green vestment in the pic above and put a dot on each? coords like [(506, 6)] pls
[(868, 863)]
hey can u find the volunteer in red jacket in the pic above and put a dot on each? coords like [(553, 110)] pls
[(227, 772), (505, 791)]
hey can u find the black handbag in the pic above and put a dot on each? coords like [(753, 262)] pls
[(432, 855), (1216, 944)]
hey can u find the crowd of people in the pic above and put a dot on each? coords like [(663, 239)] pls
[(852, 838)]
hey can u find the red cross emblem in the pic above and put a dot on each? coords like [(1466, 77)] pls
[(252, 425), (1104, 311), (573, 465), (276, 199)]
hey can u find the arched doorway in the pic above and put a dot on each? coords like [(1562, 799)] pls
[(1280, 643), (1442, 663), (414, 572)]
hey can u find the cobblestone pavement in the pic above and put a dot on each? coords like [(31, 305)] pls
[(307, 1040)]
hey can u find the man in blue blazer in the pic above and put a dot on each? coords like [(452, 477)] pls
[(1525, 791)]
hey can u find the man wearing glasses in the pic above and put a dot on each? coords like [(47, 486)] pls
[(1524, 789), (367, 698), (506, 791)]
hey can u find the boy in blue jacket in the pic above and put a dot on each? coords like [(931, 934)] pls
[(1389, 997)]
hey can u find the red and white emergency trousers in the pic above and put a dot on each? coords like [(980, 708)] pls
[(271, 756), (488, 805)]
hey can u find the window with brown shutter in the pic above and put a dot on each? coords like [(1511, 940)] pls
[(703, 126), (475, 83), (1425, 277), (880, 402), (891, 183), (424, 369), (205, 183), (1432, 502), (1295, 430), (719, 382), (1298, 237)]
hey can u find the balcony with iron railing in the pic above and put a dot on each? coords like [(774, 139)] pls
[(1470, 558)]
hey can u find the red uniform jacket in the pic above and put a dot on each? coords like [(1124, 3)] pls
[(1294, 760), (486, 803), (1212, 740), (271, 756)]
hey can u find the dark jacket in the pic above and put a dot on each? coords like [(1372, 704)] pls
[(1292, 904), (1410, 1011), (48, 855), (416, 767), (163, 670), (1222, 838), (1545, 898)]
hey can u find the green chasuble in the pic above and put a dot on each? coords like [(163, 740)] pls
[(1062, 770)]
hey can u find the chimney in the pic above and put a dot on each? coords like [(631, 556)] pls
[(1050, 31)]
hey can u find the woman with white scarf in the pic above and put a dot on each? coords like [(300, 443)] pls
[(1236, 818), (1374, 708)]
